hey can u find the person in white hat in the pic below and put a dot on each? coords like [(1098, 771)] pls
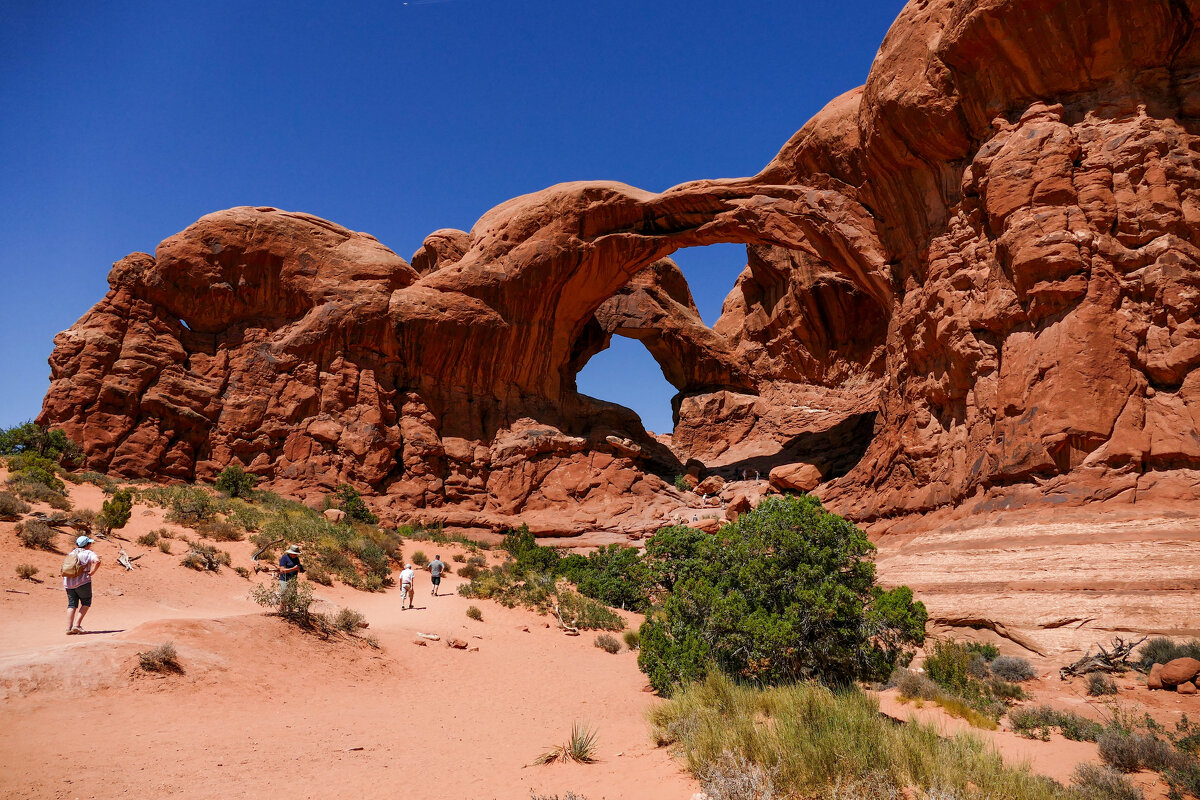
[(289, 567), (78, 568), (406, 585)]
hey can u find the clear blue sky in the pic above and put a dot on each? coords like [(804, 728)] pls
[(124, 122)]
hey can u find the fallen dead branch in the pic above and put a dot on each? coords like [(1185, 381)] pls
[(1114, 659)]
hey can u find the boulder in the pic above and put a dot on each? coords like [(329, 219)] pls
[(1186, 688), (334, 515), (1178, 671), (1154, 679), (800, 477), (710, 485)]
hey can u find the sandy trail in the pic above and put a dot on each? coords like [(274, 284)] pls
[(263, 709)]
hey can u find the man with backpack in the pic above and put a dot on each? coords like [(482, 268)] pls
[(77, 571)]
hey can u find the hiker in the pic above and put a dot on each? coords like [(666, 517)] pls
[(436, 568), (406, 585), (289, 567), (77, 571)]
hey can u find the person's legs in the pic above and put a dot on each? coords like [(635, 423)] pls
[(80, 596), (72, 605)]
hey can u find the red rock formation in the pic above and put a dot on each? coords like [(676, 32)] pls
[(973, 281)]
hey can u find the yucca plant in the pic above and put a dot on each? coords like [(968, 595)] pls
[(580, 747)]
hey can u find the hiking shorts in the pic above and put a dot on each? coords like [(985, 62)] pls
[(437, 580), (80, 595)]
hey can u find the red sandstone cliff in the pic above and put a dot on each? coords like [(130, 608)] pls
[(974, 281)]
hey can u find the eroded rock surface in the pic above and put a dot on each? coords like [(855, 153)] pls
[(971, 283)]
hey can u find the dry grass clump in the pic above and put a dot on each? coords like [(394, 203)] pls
[(148, 539), (1039, 722), (458, 558), (12, 507), (243, 572), (420, 559), (474, 613), (810, 739), (1128, 751), (731, 776), (1099, 684), (26, 571), (608, 643), (579, 747), (1095, 782), (35, 534), (633, 639), (165, 545), (1013, 668), (318, 574), (347, 620), (161, 659), (221, 531)]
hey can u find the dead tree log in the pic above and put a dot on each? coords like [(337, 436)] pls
[(1113, 659)]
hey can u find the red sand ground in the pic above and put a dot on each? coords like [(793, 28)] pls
[(263, 709)]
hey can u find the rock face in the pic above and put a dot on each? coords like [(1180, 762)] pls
[(972, 282)]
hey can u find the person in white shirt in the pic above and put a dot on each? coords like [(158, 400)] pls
[(79, 587), (406, 585)]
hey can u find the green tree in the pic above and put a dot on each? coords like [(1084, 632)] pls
[(29, 437), (27, 465), (348, 499), (115, 511), (529, 555), (615, 575), (235, 481), (787, 592)]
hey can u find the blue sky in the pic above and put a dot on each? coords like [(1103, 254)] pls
[(124, 122)]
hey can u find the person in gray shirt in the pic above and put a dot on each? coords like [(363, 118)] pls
[(436, 568)]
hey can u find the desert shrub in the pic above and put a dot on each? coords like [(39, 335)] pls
[(474, 613), (205, 558), (1005, 692), (470, 572), (913, 685), (191, 506), (458, 558), (98, 479), (11, 506), (786, 592), (35, 534), (220, 531), (632, 639), (419, 558), (348, 620), (235, 481), (1160, 650), (615, 575), (293, 603), (681, 483), (987, 651), (243, 572), (35, 491), (1099, 684), (1095, 782), (587, 614), (608, 643), (528, 554), (148, 539), (477, 561), (28, 466), (318, 574), (26, 571), (164, 545), (244, 515), (579, 747), (810, 739), (978, 667), (1039, 722), (1013, 668), (1129, 751), (115, 512), (348, 499), (161, 659)]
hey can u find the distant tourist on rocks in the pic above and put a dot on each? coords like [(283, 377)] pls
[(289, 567), (436, 568), (77, 571), (406, 585)]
